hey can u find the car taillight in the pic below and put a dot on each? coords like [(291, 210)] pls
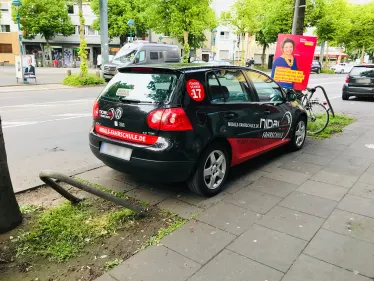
[(171, 119), (95, 110), (347, 79)]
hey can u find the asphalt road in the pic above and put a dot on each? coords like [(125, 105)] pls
[(46, 126)]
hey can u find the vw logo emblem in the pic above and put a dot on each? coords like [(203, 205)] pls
[(118, 113)]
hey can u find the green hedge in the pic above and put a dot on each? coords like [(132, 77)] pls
[(77, 80), (327, 71)]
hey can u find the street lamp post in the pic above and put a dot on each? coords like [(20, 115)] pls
[(214, 33), (233, 52), (17, 4), (131, 23)]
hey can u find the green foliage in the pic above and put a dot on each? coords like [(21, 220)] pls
[(78, 80), (186, 53), (44, 17), (30, 209), (178, 17), (63, 232), (174, 221), (119, 13), (111, 264), (327, 71), (335, 125)]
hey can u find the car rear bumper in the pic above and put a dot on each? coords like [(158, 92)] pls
[(358, 91), (146, 168)]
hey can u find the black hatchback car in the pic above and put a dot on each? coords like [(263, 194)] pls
[(359, 82), (192, 123)]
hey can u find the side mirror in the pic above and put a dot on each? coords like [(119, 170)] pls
[(290, 95)]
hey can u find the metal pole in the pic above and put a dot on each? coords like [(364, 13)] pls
[(20, 43), (104, 31), (295, 16)]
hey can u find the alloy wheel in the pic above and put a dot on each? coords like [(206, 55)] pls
[(215, 169)]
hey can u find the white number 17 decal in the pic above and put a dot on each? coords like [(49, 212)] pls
[(196, 93)]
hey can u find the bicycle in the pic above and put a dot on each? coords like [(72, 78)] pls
[(318, 114)]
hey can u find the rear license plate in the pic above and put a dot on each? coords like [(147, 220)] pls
[(116, 151), (364, 81)]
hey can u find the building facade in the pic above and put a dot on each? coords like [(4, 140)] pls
[(9, 44)]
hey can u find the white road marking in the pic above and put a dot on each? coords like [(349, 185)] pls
[(52, 103), (14, 124)]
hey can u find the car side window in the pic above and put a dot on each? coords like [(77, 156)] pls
[(141, 56), (267, 90), (228, 86), (153, 55)]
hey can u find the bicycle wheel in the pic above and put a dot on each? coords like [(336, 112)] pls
[(318, 117)]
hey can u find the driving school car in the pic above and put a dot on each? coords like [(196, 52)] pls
[(192, 123)]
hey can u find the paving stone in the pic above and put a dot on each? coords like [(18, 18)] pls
[(253, 200), (317, 150), (370, 169), (201, 201), (363, 190), (358, 149), (229, 217), (273, 187), (151, 195), (236, 184), (314, 159), (198, 241), (358, 205), (352, 161), (288, 176), (367, 177), (156, 263), (105, 277), (336, 179), (343, 251), (332, 144), (351, 224), (180, 208), (310, 269), (267, 246), (344, 168), (301, 167), (310, 204), (291, 222), (324, 190), (229, 266)]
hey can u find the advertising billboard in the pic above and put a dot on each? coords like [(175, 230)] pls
[(293, 60)]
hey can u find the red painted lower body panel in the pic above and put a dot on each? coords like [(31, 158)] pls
[(244, 149)]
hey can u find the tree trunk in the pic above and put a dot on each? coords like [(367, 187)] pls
[(10, 214), (83, 45), (263, 55), (322, 52), (185, 35), (362, 55), (327, 55), (243, 53)]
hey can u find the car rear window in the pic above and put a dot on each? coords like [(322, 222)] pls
[(143, 87), (363, 71)]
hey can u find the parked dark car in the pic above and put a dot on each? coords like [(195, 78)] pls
[(359, 82), (192, 122), (316, 67)]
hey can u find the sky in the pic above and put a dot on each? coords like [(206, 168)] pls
[(224, 5)]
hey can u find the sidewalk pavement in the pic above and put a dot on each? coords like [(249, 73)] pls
[(307, 215)]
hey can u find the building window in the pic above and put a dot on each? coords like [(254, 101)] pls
[(225, 35), (90, 31), (153, 55), (5, 28), (6, 49), (71, 9)]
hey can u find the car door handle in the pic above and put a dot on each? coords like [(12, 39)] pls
[(229, 115), (267, 112)]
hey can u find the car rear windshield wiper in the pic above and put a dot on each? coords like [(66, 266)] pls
[(123, 99)]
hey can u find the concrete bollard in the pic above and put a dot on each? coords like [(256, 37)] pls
[(68, 72)]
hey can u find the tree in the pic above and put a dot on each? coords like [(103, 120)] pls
[(361, 33), (180, 18), (119, 13), (44, 17), (334, 23), (245, 17), (83, 45), (10, 215)]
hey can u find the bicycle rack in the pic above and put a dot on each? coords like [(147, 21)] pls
[(327, 99), (48, 176)]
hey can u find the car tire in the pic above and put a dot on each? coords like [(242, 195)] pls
[(107, 79), (299, 134), (345, 96), (206, 181), (318, 71), (342, 71)]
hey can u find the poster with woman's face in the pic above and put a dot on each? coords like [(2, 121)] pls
[(293, 60)]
